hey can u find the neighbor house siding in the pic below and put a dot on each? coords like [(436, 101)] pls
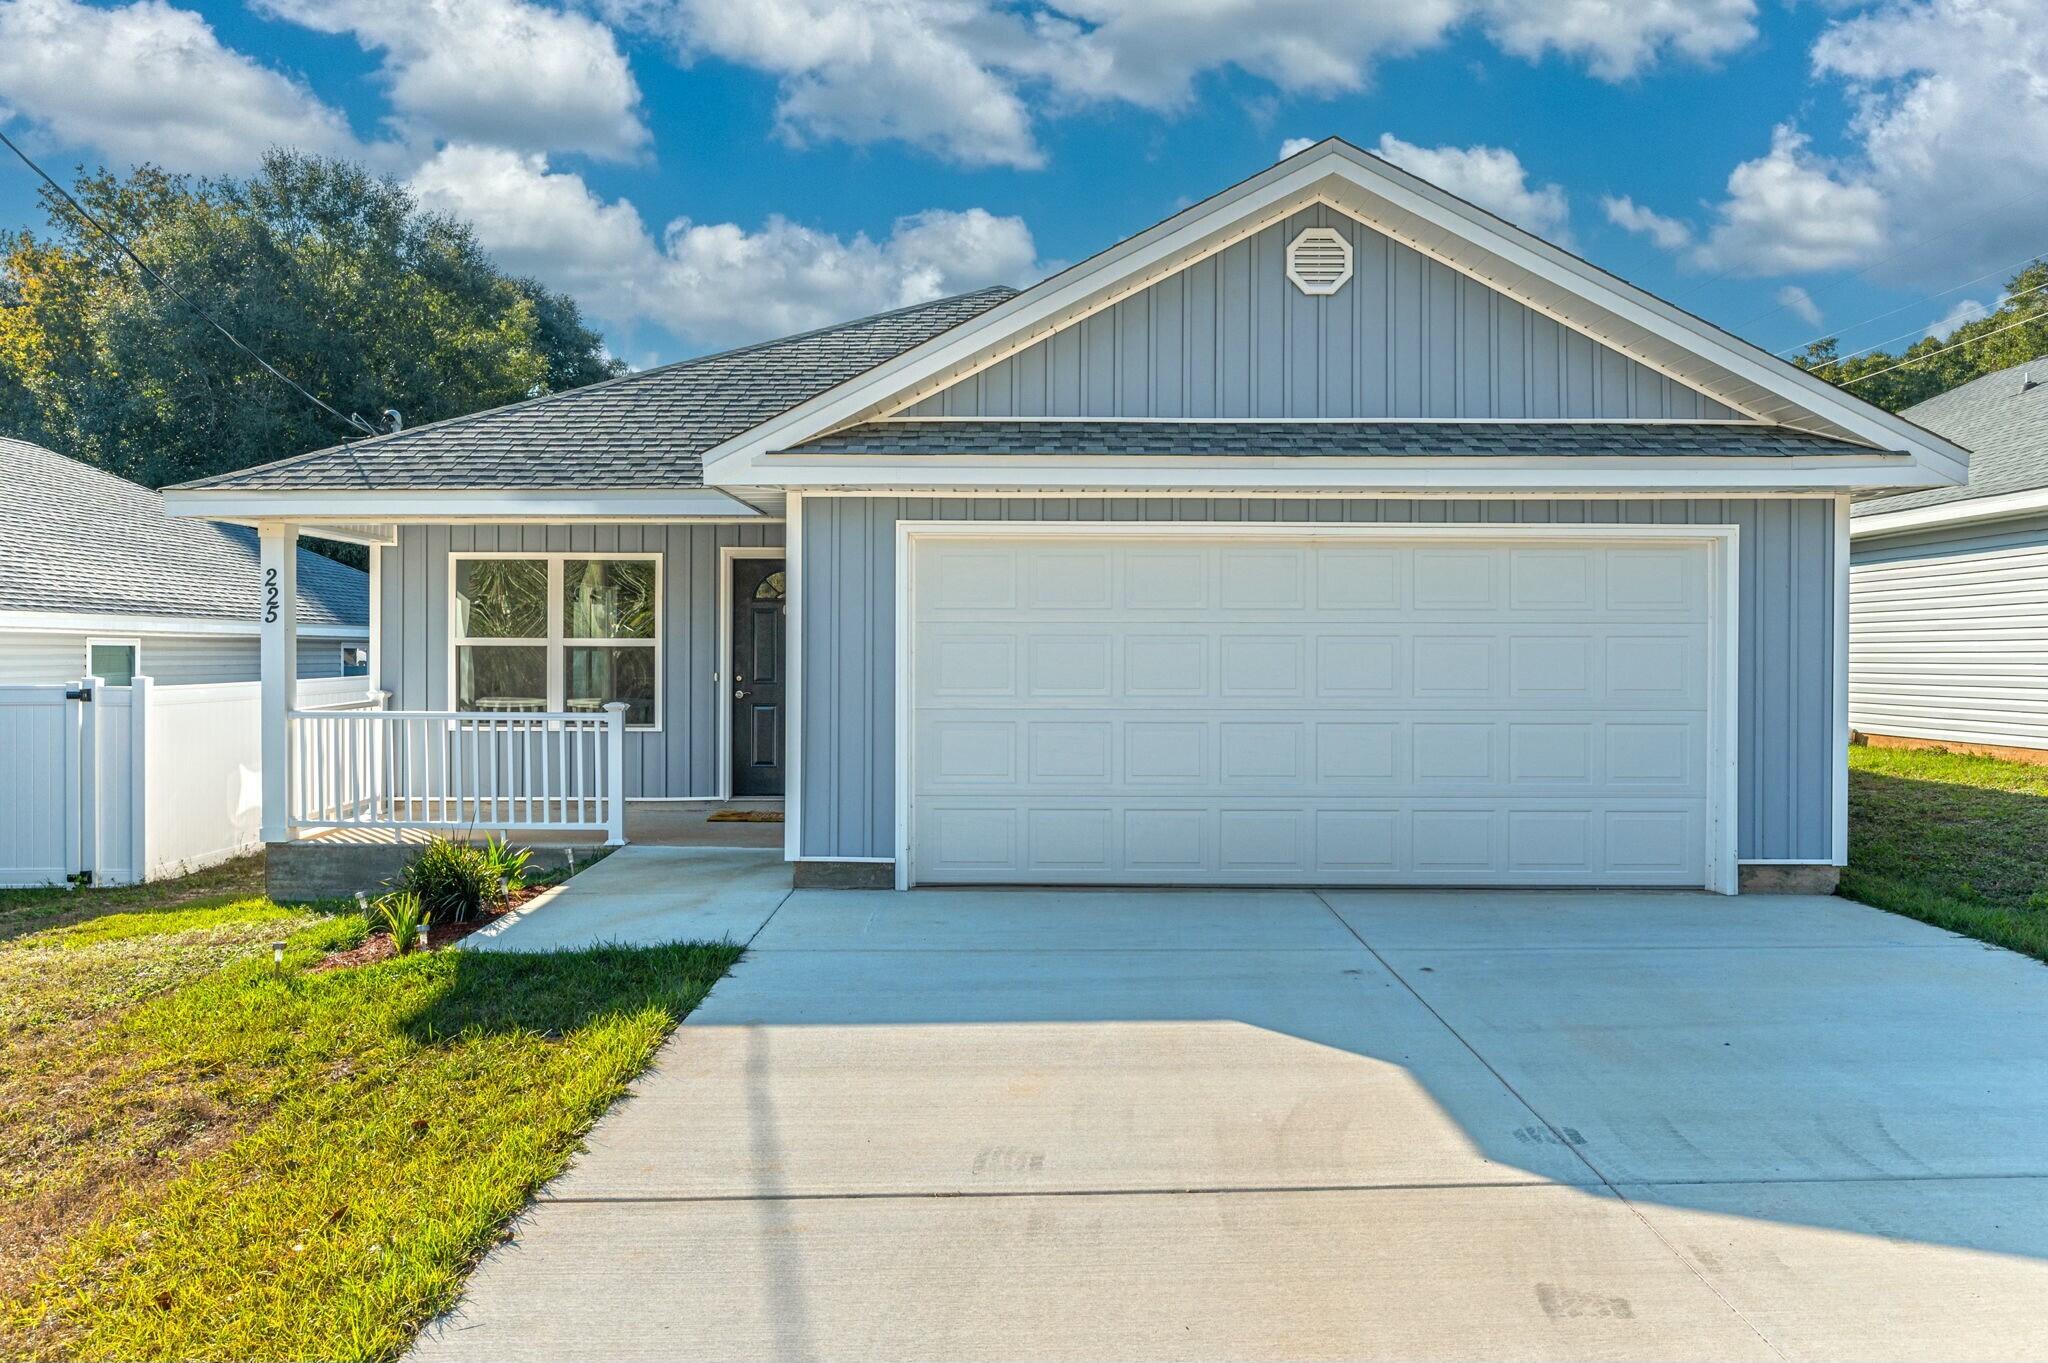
[(45, 658), (1948, 634), (681, 760), (1788, 746), (1408, 337)]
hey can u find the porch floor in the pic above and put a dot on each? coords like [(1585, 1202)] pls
[(652, 823)]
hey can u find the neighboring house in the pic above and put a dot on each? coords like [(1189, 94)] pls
[(1949, 587), (1332, 531), (97, 579)]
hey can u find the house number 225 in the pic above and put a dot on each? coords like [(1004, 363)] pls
[(270, 597)]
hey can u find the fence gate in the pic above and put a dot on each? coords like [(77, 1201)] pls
[(65, 764)]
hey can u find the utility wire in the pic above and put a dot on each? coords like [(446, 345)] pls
[(349, 419), (1917, 359), (1839, 332), (1873, 349)]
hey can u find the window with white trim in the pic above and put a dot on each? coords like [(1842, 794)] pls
[(114, 661), (557, 632)]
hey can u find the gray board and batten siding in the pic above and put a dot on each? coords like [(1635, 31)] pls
[(1948, 633), (1229, 336), (1787, 745), (46, 657), (680, 761)]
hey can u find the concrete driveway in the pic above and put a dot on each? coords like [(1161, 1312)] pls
[(1290, 1125)]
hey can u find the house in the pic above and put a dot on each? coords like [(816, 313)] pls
[(96, 579), (1948, 594), (1332, 531)]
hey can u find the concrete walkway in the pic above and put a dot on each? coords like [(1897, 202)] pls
[(1289, 1125), (644, 896)]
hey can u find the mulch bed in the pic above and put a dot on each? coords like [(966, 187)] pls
[(377, 946)]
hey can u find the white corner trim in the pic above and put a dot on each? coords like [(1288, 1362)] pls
[(1840, 771), (1355, 183), (1724, 628), (1950, 513), (792, 733)]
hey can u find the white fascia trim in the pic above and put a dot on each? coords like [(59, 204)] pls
[(69, 622), (532, 504), (1950, 513), (1742, 422), (1336, 174), (1196, 476)]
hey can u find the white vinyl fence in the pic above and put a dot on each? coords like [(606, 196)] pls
[(138, 782)]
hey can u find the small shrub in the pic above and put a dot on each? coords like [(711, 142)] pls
[(403, 917), (508, 864), (455, 882)]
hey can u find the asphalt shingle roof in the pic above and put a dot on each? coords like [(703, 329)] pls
[(640, 431), (1322, 439), (2000, 421), (79, 539)]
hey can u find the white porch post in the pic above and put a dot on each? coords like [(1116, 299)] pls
[(375, 679), (615, 773), (278, 611)]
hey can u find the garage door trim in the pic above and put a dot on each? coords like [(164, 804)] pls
[(1723, 624)]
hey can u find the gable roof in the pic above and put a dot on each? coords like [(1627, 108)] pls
[(646, 430), (1324, 439), (81, 541), (2003, 419), (1414, 213)]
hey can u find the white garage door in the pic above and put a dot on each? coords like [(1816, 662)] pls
[(1183, 710)]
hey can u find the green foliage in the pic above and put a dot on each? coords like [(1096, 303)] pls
[(1978, 351), (403, 916), (455, 881), (1953, 839), (334, 1149), (507, 863), (335, 275)]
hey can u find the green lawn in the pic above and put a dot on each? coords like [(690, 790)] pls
[(1957, 841), (203, 1156)]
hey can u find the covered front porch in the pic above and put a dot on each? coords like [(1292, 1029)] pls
[(560, 683)]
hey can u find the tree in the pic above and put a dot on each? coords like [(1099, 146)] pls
[(2015, 333), (334, 275)]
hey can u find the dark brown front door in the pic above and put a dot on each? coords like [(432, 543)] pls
[(760, 649)]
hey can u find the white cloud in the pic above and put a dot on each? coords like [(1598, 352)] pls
[(1618, 38), (503, 72), (714, 283), (1790, 211), (150, 82), (964, 78), (1492, 177), (1964, 312), (1948, 135), (1668, 233), (1800, 304), (1295, 145)]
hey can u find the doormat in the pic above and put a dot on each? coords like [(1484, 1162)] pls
[(746, 816)]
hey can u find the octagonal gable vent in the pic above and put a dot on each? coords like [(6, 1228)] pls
[(1319, 260)]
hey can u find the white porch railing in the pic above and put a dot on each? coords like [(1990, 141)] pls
[(431, 769)]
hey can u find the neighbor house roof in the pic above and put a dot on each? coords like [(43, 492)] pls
[(1321, 439), (2002, 419), (81, 541), (640, 431)]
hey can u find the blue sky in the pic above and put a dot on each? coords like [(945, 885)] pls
[(701, 172)]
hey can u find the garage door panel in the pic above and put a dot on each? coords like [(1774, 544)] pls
[(1310, 712), (1323, 752)]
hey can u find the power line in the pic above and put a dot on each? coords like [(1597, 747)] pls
[(1873, 349), (350, 419), (1838, 332), (2024, 321)]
